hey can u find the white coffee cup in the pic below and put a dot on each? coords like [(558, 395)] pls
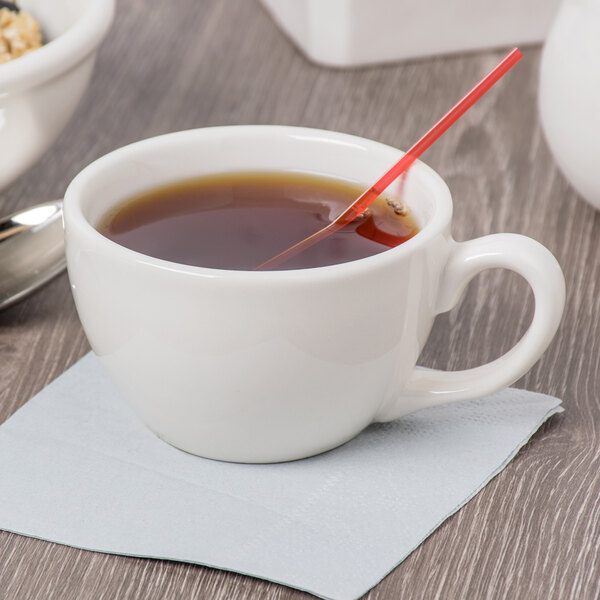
[(257, 366)]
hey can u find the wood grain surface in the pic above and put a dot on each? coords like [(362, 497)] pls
[(534, 531)]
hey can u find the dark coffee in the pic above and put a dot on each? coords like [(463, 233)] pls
[(239, 220)]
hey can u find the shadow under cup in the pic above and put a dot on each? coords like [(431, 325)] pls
[(254, 366)]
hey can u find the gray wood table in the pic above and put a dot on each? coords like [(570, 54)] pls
[(534, 531)]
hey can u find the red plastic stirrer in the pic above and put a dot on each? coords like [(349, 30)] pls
[(365, 200)]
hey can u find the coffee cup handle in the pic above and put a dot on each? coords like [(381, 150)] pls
[(531, 260)]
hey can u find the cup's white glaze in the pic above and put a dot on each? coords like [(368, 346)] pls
[(271, 366), (40, 91)]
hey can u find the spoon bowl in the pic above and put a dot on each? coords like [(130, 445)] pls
[(31, 250)]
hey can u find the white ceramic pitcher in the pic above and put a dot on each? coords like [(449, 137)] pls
[(569, 95)]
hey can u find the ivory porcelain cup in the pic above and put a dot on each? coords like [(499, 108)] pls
[(255, 366)]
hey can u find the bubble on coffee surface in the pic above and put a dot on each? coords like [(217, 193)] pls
[(398, 206)]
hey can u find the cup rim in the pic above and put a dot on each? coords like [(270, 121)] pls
[(73, 214)]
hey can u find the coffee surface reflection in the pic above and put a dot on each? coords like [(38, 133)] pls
[(237, 221)]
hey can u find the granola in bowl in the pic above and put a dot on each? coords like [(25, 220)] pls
[(19, 32)]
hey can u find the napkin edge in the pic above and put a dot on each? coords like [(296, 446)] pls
[(557, 409)]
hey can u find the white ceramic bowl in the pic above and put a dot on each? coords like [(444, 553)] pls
[(40, 91)]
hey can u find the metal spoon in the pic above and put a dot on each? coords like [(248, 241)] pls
[(31, 250)]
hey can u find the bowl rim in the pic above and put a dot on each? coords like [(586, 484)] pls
[(60, 54)]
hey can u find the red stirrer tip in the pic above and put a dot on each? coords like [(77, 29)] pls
[(365, 200)]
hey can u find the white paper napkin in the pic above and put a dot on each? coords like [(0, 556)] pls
[(78, 468)]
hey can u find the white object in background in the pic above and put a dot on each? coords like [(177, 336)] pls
[(569, 95), (264, 366), (346, 33), (40, 91)]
